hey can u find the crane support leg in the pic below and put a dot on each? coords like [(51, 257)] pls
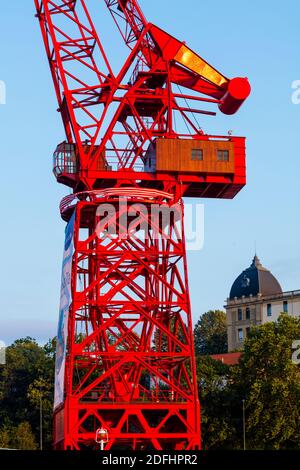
[(129, 358)]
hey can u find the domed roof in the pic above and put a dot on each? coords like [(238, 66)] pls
[(255, 280)]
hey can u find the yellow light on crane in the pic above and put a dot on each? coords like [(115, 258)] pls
[(192, 61)]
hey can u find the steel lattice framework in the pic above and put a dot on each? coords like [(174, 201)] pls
[(130, 365)]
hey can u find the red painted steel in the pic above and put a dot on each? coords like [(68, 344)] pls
[(113, 118), (130, 365)]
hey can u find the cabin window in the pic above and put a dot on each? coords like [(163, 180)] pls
[(223, 155), (197, 155), (285, 306), (65, 160)]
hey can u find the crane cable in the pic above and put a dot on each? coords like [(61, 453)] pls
[(188, 105)]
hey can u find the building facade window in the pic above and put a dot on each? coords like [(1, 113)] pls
[(248, 313), (197, 155), (240, 314), (240, 335), (269, 310), (223, 155), (247, 331), (285, 306)]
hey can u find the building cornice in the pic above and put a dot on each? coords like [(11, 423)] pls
[(259, 299)]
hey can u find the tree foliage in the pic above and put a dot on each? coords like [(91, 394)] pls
[(210, 333), (217, 403), (23, 438), (26, 378), (269, 382)]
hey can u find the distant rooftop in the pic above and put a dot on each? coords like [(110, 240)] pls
[(230, 359), (255, 280)]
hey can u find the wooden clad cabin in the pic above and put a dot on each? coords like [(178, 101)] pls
[(191, 156)]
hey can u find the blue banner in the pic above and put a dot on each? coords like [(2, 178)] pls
[(65, 302)]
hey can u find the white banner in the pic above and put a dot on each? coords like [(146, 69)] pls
[(65, 302)]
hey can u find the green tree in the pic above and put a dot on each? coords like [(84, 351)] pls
[(23, 437), (26, 363), (40, 394), (5, 436), (269, 382), (219, 420), (210, 333)]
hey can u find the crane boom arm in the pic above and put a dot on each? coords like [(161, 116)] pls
[(129, 18)]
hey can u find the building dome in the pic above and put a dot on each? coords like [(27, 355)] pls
[(255, 280)]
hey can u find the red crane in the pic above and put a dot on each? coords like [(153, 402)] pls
[(125, 364)]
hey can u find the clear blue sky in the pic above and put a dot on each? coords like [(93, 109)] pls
[(255, 39)]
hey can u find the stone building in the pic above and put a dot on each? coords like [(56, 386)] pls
[(256, 297)]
